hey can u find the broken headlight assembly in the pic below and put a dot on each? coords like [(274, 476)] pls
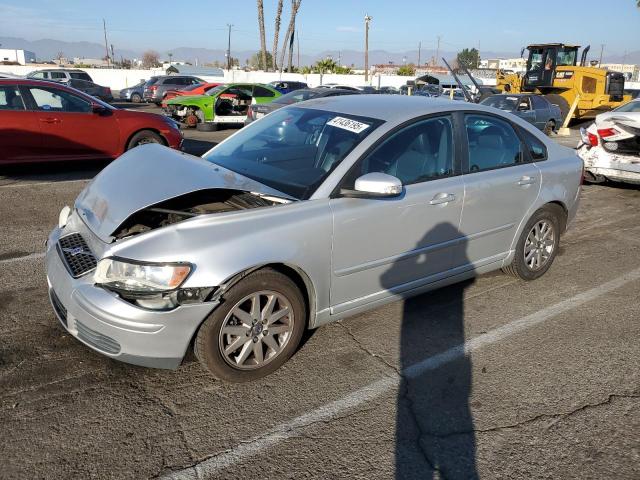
[(155, 286)]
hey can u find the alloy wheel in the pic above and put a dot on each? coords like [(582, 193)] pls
[(539, 245), (256, 330)]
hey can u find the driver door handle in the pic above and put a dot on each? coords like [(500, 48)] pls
[(526, 180), (442, 198), (50, 120)]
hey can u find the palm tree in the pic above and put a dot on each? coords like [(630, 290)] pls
[(276, 34), (295, 5), (327, 65), (263, 41)]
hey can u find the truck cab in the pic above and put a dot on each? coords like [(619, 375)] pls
[(543, 62)]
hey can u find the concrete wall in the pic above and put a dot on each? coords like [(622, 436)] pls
[(117, 79)]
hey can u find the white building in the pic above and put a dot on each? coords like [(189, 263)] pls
[(19, 56), (630, 71), (513, 64)]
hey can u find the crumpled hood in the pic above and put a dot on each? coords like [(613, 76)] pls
[(147, 175)]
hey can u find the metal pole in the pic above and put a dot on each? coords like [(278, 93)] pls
[(106, 45), (601, 50), (419, 49), (437, 51), (229, 48), (367, 19), (298, 50)]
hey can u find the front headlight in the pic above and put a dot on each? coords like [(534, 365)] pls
[(143, 278)]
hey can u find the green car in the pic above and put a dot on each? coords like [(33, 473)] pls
[(227, 103)]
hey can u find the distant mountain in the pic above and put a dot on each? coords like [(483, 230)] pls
[(48, 49)]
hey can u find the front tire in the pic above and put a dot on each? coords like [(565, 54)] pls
[(143, 137), (136, 98), (255, 330), (549, 127), (537, 246)]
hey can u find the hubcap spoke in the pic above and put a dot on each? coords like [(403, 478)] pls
[(539, 245), (278, 315), (243, 316), (244, 353), (272, 343)]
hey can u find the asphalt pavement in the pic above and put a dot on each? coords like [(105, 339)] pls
[(493, 378)]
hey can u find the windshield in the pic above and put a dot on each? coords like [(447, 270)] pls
[(294, 97), (566, 57), (633, 106), (502, 102), (192, 87), (293, 149), (216, 90)]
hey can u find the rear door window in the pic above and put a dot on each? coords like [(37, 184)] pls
[(537, 149), (40, 75), (493, 143), (80, 76), (10, 98), (539, 103), (58, 75)]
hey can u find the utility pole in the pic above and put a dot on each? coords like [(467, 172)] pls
[(106, 44), (113, 55), (229, 48), (339, 58), (478, 57), (419, 51), (367, 19), (298, 50), (601, 50), (437, 51)]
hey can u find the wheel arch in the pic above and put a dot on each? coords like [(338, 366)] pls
[(135, 132), (564, 212), (294, 273)]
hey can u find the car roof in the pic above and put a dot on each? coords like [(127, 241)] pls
[(394, 108)]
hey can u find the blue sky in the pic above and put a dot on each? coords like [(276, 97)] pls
[(330, 24)]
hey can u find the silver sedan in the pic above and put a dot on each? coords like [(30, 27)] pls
[(315, 212)]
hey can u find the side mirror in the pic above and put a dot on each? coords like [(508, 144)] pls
[(375, 185), (97, 108), (523, 107)]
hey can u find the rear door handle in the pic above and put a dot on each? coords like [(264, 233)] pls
[(526, 181), (441, 198), (50, 120)]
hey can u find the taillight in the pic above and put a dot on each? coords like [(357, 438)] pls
[(607, 132), (153, 88), (593, 139)]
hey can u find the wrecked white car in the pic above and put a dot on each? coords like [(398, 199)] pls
[(610, 147)]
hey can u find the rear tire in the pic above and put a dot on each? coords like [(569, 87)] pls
[(207, 127), (549, 128), (538, 244), (222, 353), (143, 137), (136, 98)]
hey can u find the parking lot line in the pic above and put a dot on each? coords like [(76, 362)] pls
[(35, 184), (332, 410), (31, 256)]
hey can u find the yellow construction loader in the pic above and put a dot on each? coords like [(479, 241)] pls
[(579, 90)]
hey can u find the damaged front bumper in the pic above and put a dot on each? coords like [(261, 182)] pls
[(112, 326), (606, 165)]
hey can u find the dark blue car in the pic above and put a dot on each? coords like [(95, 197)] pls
[(284, 86)]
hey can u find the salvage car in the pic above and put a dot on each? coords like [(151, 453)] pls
[(43, 121), (225, 104), (610, 146), (535, 109), (196, 89), (259, 110), (320, 210)]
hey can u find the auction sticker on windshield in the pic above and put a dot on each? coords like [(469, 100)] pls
[(348, 124)]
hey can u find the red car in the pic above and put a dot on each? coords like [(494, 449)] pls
[(198, 89), (42, 120)]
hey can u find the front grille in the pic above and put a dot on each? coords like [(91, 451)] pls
[(96, 339), (76, 255), (60, 310)]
